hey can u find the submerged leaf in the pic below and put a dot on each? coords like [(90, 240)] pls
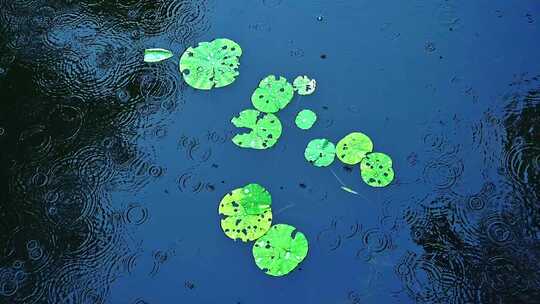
[(352, 148), (156, 55), (247, 211), (320, 152), (305, 119), (272, 95), (376, 169), (211, 64), (265, 129), (304, 86), (278, 252)]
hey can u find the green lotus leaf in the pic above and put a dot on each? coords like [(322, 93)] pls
[(265, 129), (304, 86), (156, 55), (352, 148), (211, 64), (279, 252), (376, 169), (305, 119), (247, 213), (272, 95), (320, 152)]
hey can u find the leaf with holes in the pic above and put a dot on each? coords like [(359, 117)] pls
[(156, 55), (304, 86), (211, 64), (376, 169), (305, 119), (247, 212), (320, 152), (272, 95), (280, 250), (352, 148), (265, 129)]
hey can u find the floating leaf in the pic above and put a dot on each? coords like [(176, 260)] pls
[(211, 64), (347, 189), (280, 250), (156, 55), (305, 119), (265, 129), (304, 86), (352, 148), (376, 169), (320, 152), (247, 211), (272, 95)]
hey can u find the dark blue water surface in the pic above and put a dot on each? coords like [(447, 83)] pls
[(111, 169)]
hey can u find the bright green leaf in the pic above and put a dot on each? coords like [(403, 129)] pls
[(352, 148), (156, 55), (304, 86), (211, 64), (376, 169), (247, 211), (265, 129), (320, 152), (272, 95), (278, 252), (305, 119)]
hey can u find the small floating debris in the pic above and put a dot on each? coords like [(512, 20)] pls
[(156, 55)]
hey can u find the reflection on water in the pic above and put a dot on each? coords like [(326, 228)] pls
[(76, 100), (74, 95)]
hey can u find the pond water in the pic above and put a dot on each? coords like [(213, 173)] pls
[(112, 169)]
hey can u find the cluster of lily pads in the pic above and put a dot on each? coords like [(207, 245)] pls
[(246, 212), (247, 216), (272, 95), (355, 148)]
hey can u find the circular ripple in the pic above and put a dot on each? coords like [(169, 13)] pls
[(136, 215), (375, 240), (498, 231), (522, 162), (65, 122), (442, 174), (35, 143)]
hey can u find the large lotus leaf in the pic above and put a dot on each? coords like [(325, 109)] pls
[(305, 119), (211, 64), (156, 55), (265, 129), (273, 94), (352, 148), (279, 252), (304, 86), (320, 152), (376, 169), (247, 211)]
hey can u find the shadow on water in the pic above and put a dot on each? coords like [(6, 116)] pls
[(74, 94), (75, 98), (481, 247)]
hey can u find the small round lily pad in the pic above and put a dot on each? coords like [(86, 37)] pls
[(304, 86), (273, 94), (211, 64), (265, 129), (305, 119), (376, 169), (352, 148), (280, 250), (320, 152), (247, 211)]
